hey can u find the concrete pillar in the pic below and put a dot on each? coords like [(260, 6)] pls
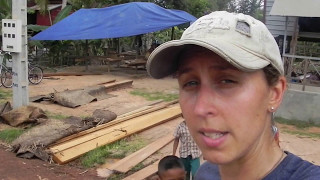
[(20, 60)]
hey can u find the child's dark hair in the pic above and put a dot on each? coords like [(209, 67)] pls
[(169, 162)]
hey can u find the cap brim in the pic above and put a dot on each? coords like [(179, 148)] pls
[(163, 61)]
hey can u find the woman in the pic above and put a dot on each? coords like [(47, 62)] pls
[(231, 81)]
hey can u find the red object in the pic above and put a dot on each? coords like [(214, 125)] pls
[(44, 20)]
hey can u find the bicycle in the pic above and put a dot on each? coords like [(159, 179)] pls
[(5, 72), (35, 75)]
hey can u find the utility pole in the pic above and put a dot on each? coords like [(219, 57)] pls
[(20, 59)]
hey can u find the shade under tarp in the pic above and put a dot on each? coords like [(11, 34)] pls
[(301, 8), (115, 21)]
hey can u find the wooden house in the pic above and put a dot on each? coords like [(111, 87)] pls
[(46, 18), (296, 24)]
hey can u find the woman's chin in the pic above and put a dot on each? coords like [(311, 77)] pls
[(217, 159)]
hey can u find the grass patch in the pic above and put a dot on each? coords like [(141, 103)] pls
[(120, 176), (5, 95), (152, 96), (303, 134), (301, 127), (52, 115), (117, 176), (9, 135), (118, 149), (296, 123)]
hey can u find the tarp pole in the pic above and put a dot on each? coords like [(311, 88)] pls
[(172, 33), (87, 55), (118, 45)]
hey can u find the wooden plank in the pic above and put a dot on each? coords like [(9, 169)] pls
[(115, 133), (141, 109), (279, 23), (118, 85), (156, 108), (278, 27), (125, 164), (137, 108), (145, 172), (70, 74), (117, 120), (279, 18), (107, 82)]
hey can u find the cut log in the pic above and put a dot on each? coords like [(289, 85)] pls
[(144, 173), (125, 164), (72, 149)]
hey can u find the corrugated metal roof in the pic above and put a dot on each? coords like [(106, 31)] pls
[(300, 8)]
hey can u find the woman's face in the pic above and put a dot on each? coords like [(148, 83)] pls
[(226, 109)]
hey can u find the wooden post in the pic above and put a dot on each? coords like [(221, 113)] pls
[(305, 69), (293, 46)]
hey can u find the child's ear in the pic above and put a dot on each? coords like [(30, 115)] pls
[(155, 177)]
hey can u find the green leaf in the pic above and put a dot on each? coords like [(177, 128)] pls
[(5, 9), (62, 14), (36, 28), (36, 43), (43, 4), (5, 6)]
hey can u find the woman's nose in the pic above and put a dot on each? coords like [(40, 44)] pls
[(205, 102)]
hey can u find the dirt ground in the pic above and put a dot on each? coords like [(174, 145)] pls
[(12, 168)]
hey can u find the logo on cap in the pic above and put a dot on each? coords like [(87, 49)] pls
[(210, 23), (243, 27)]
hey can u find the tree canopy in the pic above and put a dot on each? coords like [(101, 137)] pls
[(197, 8)]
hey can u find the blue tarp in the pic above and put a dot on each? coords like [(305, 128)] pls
[(115, 21)]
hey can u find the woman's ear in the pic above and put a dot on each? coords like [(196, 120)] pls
[(277, 93)]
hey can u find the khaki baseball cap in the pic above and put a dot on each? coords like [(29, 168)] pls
[(240, 39)]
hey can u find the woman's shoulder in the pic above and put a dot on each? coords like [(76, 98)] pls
[(295, 168), (208, 171)]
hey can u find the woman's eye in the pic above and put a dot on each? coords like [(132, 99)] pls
[(228, 81), (191, 84)]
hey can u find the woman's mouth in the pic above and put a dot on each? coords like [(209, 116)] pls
[(214, 139), (213, 135)]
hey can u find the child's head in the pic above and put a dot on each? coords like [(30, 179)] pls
[(171, 168)]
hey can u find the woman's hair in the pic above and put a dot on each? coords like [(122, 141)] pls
[(272, 75), (169, 162)]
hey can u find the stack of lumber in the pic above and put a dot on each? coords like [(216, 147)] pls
[(76, 145)]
